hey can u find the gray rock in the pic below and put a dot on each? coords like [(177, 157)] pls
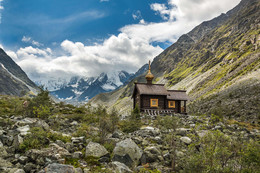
[(7, 140), (4, 163), (74, 123), (186, 140), (53, 152), (23, 130), (60, 143), (151, 154), (42, 124), (117, 134), (78, 170), (127, 152), (59, 168), (2, 132), (86, 170), (77, 155), (202, 133), (192, 125), (69, 146), (158, 140), (23, 159), (76, 140), (119, 167), (20, 171), (217, 128), (182, 131), (148, 131), (179, 154), (29, 167), (1, 144), (95, 150), (17, 141), (3, 152)]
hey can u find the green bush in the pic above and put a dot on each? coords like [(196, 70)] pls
[(215, 118), (36, 139), (109, 146), (58, 136), (72, 161), (218, 152), (42, 111), (129, 126), (40, 106), (83, 130)]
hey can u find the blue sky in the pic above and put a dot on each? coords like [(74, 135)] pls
[(51, 21), (62, 38)]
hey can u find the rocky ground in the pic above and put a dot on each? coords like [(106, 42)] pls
[(143, 150)]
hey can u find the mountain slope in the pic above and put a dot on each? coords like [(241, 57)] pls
[(13, 80), (214, 59)]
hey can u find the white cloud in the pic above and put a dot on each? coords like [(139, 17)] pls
[(12, 55), (1, 8), (165, 12), (30, 40), (116, 53), (179, 16), (104, 0)]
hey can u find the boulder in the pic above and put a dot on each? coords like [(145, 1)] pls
[(186, 140), (42, 124), (151, 154), (17, 141), (24, 130), (30, 167), (53, 152), (76, 140), (119, 167), (4, 163), (60, 143), (95, 150), (182, 131), (23, 159), (56, 168), (202, 133), (3, 152), (7, 140), (117, 134), (77, 155), (74, 123), (127, 152), (148, 131), (19, 171)]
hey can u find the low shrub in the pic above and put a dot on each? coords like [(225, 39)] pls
[(58, 136), (129, 126), (36, 139)]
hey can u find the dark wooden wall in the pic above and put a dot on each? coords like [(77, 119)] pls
[(177, 106), (145, 101)]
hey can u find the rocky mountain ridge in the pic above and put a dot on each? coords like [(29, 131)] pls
[(13, 80)]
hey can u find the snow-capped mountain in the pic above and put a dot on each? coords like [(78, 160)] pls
[(52, 84), (81, 89)]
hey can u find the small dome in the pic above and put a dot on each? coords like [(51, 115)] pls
[(149, 77)]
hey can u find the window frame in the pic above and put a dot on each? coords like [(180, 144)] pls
[(151, 101), (169, 104)]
